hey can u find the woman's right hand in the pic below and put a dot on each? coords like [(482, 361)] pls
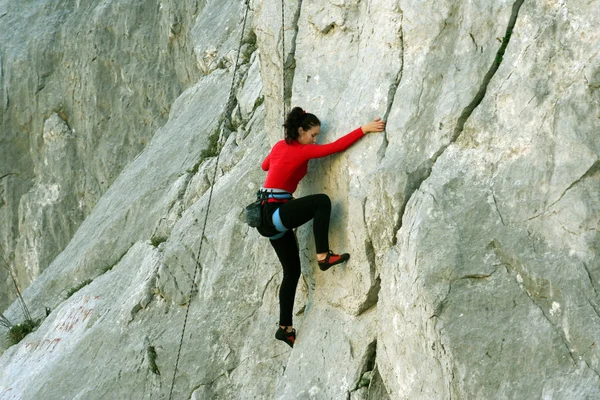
[(377, 125)]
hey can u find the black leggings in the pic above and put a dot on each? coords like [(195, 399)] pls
[(293, 214)]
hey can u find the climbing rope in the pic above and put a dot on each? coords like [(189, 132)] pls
[(228, 111)]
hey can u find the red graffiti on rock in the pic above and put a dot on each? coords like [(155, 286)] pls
[(75, 317), (47, 345)]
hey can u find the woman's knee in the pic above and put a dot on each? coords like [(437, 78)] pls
[(291, 272), (323, 200)]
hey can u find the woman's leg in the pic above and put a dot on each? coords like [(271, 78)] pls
[(287, 251), (299, 211)]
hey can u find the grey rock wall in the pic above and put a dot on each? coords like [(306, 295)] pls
[(110, 71), (472, 221)]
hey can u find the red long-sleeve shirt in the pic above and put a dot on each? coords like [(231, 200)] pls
[(287, 164)]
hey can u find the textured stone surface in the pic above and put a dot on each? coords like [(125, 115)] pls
[(472, 221), (485, 254), (110, 70)]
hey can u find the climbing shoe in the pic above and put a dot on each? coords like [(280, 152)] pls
[(332, 259), (284, 335)]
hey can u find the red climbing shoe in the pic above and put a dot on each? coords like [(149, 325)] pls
[(284, 335), (332, 259)]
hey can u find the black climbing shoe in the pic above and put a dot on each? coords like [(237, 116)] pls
[(332, 259), (284, 335)]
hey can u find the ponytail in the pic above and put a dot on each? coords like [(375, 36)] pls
[(298, 118)]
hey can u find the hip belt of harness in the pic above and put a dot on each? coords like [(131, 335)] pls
[(278, 194)]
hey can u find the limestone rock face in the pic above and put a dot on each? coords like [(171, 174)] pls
[(472, 221), (110, 70), (45, 223)]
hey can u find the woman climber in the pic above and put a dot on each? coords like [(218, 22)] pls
[(286, 165)]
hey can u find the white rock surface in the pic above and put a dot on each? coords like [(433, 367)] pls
[(472, 221)]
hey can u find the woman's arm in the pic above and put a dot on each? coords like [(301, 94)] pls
[(310, 151), (317, 151), (266, 162)]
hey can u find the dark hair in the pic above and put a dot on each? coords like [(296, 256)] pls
[(298, 118)]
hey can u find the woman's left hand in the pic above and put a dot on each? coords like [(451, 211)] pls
[(377, 125)]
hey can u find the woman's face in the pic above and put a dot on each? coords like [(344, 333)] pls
[(309, 136)]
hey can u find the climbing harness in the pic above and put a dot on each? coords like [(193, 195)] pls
[(267, 222), (228, 111), (254, 211)]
